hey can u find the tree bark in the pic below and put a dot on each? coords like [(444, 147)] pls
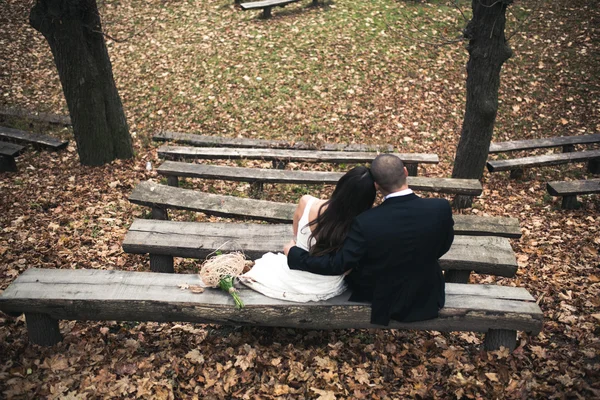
[(488, 50), (74, 32)]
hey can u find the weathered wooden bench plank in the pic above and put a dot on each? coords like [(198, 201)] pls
[(266, 5), (32, 138), (470, 187), (569, 190), (545, 160), (55, 119), (220, 141), (543, 143), (152, 194), (45, 296), (8, 152), (482, 254), (208, 153)]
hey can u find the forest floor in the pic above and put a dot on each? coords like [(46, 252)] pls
[(349, 72)]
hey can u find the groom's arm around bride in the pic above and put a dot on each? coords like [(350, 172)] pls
[(391, 250)]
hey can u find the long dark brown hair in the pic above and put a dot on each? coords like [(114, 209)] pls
[(353, 194)]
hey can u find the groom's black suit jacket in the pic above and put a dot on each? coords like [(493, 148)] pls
[(393, 252)]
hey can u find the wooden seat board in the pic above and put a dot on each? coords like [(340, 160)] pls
[(213, 153), (140, 296), (471, 187), (570, 188), (267, 3), (32, 138), (151, 194), (36, 116), (482, 254), (10, 149), (543, 143), (545, 160), (220, 141)]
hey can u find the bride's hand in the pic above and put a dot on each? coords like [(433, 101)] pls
[(288, 246)]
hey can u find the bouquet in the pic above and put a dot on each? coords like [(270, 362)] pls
[(220, 271)]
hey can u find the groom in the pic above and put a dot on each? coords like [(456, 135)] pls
[(391, 251)]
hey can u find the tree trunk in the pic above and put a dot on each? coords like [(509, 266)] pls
[(74, 33), (488, 50)]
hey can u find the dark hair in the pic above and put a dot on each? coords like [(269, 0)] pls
[(388, 172), (354, 193)]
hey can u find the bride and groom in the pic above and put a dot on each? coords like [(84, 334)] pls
[(386, 255)]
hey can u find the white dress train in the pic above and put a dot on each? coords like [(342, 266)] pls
[(272, 277)]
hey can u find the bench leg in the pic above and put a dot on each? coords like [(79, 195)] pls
[(568, 148), (172, 180), (256, 189), (315, 3), (594, 166), (7, 164), (42, 329), (278, 164), (161, 263), (457, 276), (159, 213), (494, 338), (462, 201), (266, 12), (412, 169), (516, 173), (569, 202)]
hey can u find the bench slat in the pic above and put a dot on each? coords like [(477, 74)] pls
[(482, 254), (548, 159), (572, 188), (543, 143), (151, 194), (139, 296), (33, 138), (471, 187), (213, 153), (220, 141), (36, 116), (10, 149), (266, 3)]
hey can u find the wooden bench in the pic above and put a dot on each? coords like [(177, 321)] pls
[(282, 156), (49, 295), (566, 142), (257, 177), (219, 141), (569, 190), (8, 152), (54, 119), (164, 240), (516, 165), (35, 139), (267, 5)]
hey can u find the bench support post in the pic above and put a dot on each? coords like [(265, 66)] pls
[(266, 12), (516, 173), (159, 213), (495, 338), (568, 148), (161, 263), (569, 202), (172, 180), (462, 201), (315, 3), (457, 276), (412, 169), (256, 189), (7, 164), (42, 329), (594, 166), (278, 164)]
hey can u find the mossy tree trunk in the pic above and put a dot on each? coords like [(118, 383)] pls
[(488, 50), (74, 32)]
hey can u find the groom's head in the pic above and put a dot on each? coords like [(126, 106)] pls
[(389, 173)]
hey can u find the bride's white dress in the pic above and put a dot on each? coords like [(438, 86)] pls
[(272, 277)]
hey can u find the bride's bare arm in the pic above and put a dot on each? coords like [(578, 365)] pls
[(298, 213)]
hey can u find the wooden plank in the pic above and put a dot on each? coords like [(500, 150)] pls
[(151, 194), (10, 149), (471, 187), (139, 296), (267, 3), (216, 153), (545, 160), (482, 254), (220, 141), (36, 116), (33, 138), (559, 188), (543, 143)]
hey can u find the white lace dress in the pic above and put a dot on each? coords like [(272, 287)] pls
[(272, 277)]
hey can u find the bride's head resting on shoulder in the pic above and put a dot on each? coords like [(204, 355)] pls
[(354, 193)]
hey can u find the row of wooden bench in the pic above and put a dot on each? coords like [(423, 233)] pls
[(10, 150)]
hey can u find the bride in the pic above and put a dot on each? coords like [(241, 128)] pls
[(320, 227)]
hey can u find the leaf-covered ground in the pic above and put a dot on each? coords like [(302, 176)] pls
[(365, 72)]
